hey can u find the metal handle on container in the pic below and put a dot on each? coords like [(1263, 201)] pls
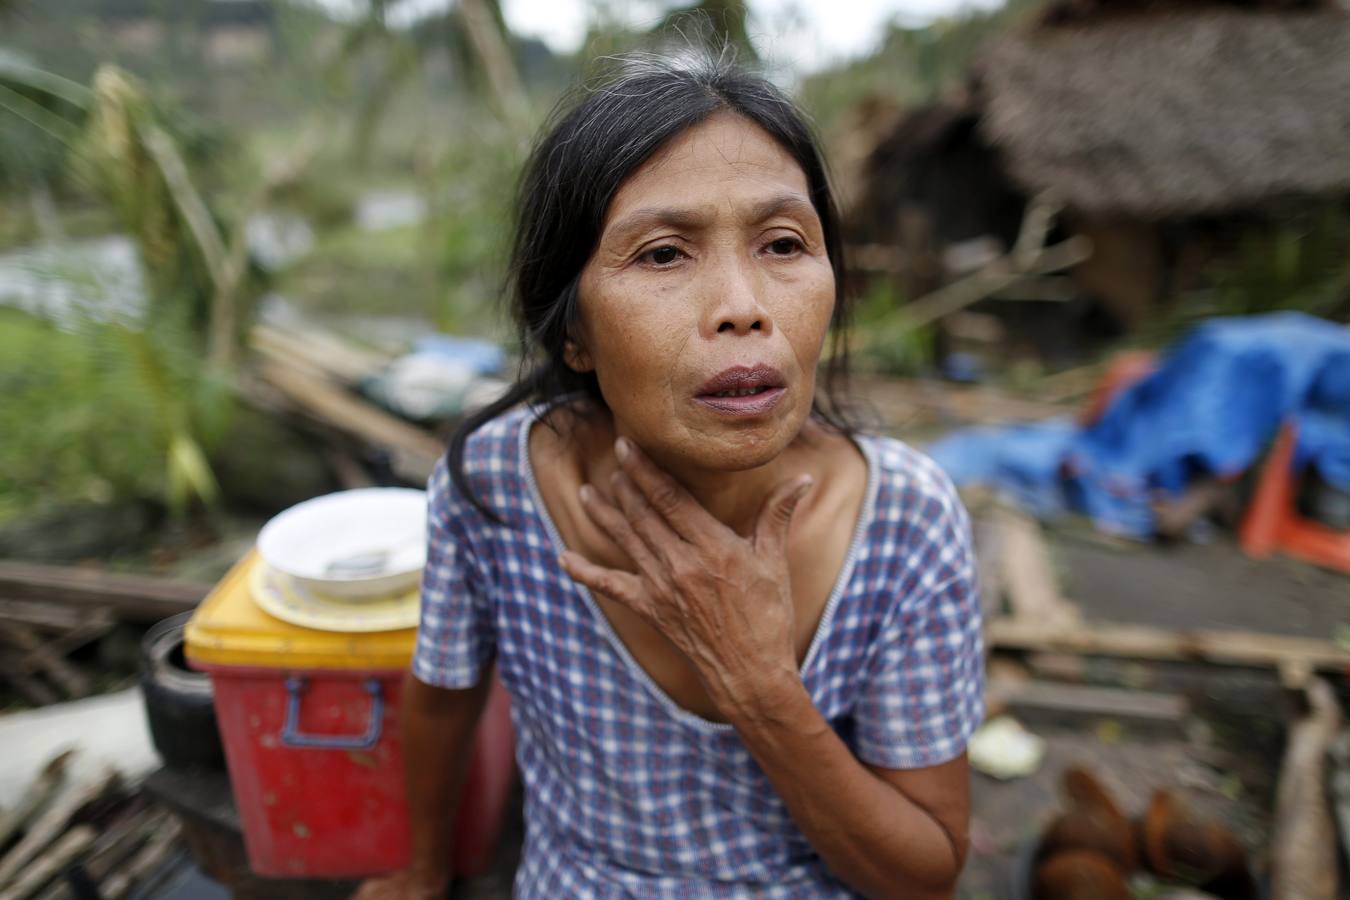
[(291, 736)]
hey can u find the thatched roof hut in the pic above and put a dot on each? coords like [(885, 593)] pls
[(1192, 110), (1155, 123)]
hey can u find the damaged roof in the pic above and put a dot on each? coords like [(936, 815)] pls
[(1191, 110)]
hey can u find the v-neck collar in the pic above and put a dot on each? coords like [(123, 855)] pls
[(531, 415)]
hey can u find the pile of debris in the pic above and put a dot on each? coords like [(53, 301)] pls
[(361, 400), (99, 837), (74, 820), (1100, 726), (51, 612)]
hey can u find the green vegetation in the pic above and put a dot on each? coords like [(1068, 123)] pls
[(96, 137), (883, 341), (1296, 261), (1301, 262), (103, 412), (439, 111)]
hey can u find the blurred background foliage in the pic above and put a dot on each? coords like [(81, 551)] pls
[(161, 126)]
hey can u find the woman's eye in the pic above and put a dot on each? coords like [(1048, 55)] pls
[(662, 256), (784, 246)]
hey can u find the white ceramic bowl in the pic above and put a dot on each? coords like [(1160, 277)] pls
[(316, 542)]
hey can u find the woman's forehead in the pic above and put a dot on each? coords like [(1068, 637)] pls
[(725, 159)]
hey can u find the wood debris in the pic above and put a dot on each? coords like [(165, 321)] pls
[(1040, 619), (99, 837), (1303, 848), (1044, 697), (35, 640), (413, 450), (50, 612), (92, 592), (1028, 577), (1219, 647)]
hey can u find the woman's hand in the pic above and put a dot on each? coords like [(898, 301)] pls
[(723, 600), (406, 884)]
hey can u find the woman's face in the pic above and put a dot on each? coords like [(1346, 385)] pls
[(706, 302)]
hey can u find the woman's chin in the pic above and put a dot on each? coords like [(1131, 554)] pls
[(742, 444)]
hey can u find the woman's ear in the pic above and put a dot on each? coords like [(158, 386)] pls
[(576, 357)]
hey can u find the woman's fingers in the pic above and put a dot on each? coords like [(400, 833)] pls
[(664, 494), (624, 587), (775, 516), (656, 533), (613, 523)]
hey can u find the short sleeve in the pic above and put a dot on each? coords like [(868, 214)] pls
[(456, 635), (924, 695)]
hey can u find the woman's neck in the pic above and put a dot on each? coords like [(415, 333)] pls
[(733, 498)]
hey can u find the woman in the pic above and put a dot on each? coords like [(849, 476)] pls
[(742, 642)]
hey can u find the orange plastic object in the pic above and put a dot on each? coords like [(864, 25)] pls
[(1126, 369), (1272, 523), (310, 724)]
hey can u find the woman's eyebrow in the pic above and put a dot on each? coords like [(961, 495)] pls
[(640, 220), (784, 203), (648, 217)]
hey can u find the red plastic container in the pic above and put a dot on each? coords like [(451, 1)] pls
[(309, 720)]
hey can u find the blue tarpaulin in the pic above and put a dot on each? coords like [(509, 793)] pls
[(1210, 409)]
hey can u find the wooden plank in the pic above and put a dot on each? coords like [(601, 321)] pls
[(133, 598), (75, 638), (41, 615), (996, 277), (121, 839), (50, 863), (415, 450), (43, 788), (1239, 648), (39, 655), (51, 823), (155, 851), (1032, 588), (1340, 789), (32, 689), (990, 547), (319, 352), (1303, 842), (1085, 700)]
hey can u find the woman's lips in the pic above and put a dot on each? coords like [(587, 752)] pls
[(744, 404), (743, 390)]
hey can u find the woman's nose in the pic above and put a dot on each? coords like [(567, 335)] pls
[(735, 306)]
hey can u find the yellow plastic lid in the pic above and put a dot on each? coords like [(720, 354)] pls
[(229, 629)]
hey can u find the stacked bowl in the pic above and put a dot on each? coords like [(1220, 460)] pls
[(349, 561)]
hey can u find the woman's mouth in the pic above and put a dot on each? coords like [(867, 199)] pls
[(743, 390)]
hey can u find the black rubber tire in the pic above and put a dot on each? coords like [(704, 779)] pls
[(179, 703)]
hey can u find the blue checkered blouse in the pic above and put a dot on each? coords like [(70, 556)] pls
[(629, 795)]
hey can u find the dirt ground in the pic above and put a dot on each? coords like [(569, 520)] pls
[(1226, 756), (1200, 586)]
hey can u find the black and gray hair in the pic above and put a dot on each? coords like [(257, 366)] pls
[(596, 138)]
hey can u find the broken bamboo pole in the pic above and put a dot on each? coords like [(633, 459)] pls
[(132, 598), (414, 450), (43, 788), (1303, 847), (42, 655), (1028, 575), (52, 823), (1237, 648), (155, 851), (49, 864)]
